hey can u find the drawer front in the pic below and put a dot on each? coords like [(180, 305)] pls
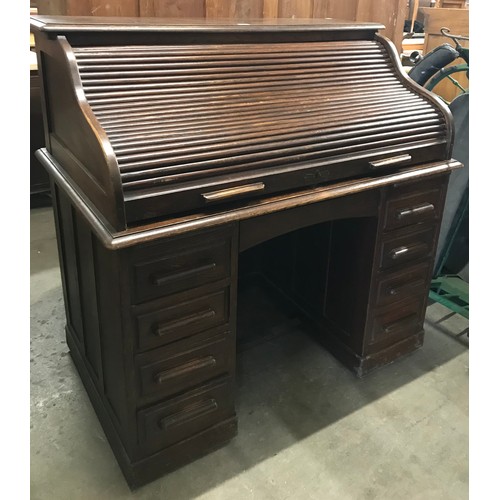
[(174, 271), (172, 371), (409, 282), (404, 247), (413, 208), (400, 321), (413, 187), (174, 321), (179, 418)]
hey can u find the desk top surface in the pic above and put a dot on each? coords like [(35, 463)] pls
[(157, 24), (248, 209)]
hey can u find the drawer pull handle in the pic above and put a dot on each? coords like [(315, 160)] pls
[(163, 279), (185, 369), (387, 162), (397, 253), (420, 209), (407, 286), (196, 411), (165, 328), (233, 191), (400, 323), (401, 252)]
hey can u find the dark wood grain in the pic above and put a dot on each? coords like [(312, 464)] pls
[(172, 8), (89, 7), (174, 152), (169, 124)]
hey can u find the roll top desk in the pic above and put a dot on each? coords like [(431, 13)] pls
[(175, 148)]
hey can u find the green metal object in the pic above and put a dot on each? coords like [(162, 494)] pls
[(452, 292), (449, 289)]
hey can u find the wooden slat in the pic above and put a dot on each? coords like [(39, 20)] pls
[(307, 159), (125, 8), (297, 9), (195, 102), (323, 141), (172, 8), (296, 131), (178, 114), (217, 9), (279, 117), (270, 9), (335, 9), (391, 13), (277, 111), (247, 9)]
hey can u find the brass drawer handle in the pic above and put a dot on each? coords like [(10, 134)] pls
[(399, 252), (165, 328), (233, 191), (163, 279), (418, 210), (186, 368), (199, 410), (387, 162)]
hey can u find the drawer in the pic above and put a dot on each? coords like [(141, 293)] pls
[(407, 246), (166, 372), (410, 281), (401, 320), (181, 417), (413, 187), (413, 208), (175, 320), (180, 267)]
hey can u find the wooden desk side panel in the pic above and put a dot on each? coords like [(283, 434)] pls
[(91, 286), (72, 133)]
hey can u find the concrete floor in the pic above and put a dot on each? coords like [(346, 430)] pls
[(308, 429)]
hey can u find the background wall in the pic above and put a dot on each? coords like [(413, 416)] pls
[(391, 13)]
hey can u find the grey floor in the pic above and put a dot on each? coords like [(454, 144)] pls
[(308, 429)]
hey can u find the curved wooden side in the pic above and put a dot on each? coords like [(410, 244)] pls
[(74, 135), (405, 79)]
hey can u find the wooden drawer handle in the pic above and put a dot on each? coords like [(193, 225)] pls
[(400, 252), (186, 368), (418, 210), (196, 411), (163, 279), (388, 162), (233, 191), (388, 329), (165, 328), (406, 286)]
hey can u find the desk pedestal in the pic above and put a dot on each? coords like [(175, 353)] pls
[(151, 315)]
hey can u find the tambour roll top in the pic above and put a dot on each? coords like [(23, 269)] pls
[(154, 120)]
